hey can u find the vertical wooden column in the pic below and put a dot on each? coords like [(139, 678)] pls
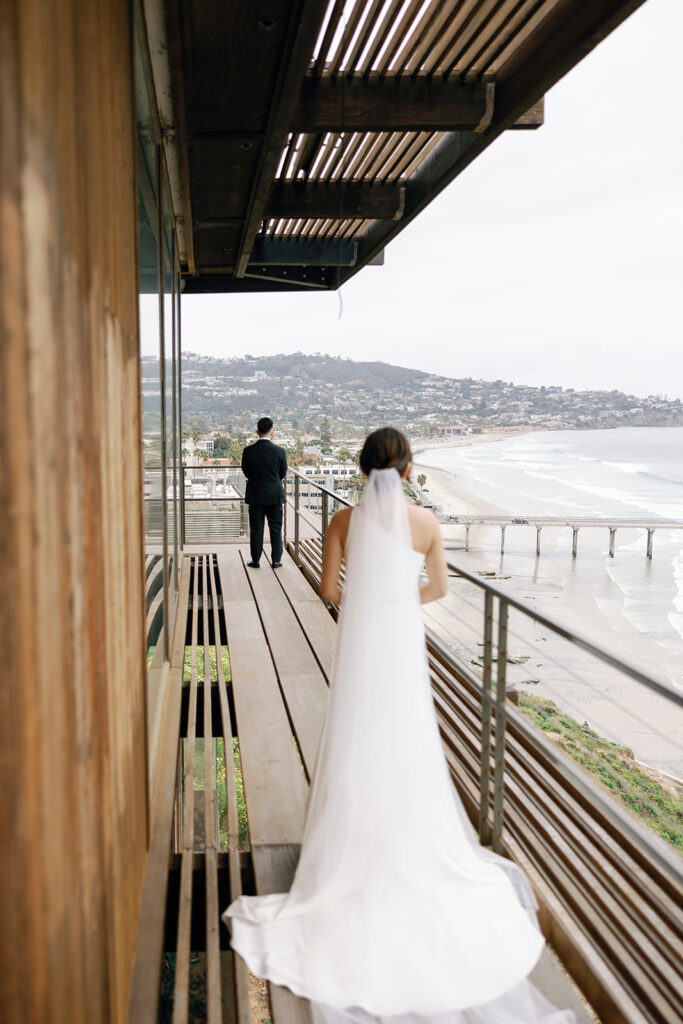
[(73, 817)]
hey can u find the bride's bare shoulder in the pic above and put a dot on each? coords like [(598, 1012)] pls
[(423, 527), (340, 523), (423, 516)]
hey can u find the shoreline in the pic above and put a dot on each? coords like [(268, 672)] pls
[(462, 440), (450, 498), (443, 490), (575, 593)]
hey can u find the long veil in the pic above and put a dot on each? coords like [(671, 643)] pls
[(395, 912)]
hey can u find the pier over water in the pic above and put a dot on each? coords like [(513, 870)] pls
[(574, 522)]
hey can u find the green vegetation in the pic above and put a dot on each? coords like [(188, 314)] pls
[(230, 446), (301, 392), (221, 773), (197, 993), (225, 662), (222, 793), (325, 437), (242, 823), (614, 767)]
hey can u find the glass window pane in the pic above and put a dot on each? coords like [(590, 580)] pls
[(151, 361), (170, 384)]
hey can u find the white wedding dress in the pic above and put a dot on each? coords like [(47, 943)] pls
[(395, 910)]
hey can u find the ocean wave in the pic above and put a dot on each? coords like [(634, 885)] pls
[(663, 479), (626, 467)]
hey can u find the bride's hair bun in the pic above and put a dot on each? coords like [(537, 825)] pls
[(386, 448)]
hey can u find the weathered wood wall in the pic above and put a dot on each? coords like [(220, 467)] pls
[(73, 818)]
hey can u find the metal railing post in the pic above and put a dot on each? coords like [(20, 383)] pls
[(285, 484), (296, 518), (182, 505), (501, 722), (325, 517), (485, 760)]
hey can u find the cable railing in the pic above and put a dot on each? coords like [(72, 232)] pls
[(610, 889)]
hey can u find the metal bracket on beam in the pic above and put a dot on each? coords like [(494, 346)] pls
[(487, 116), (263, 279), (303, 252)]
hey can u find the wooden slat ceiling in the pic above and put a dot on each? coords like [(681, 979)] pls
[(313, 131)]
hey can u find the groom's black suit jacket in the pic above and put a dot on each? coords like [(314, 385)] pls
[(265, 466)]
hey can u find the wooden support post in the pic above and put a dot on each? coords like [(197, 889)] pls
[(650, 535), (467, 538), (502, 540), (538, 540), (612, 535), (575, 540)]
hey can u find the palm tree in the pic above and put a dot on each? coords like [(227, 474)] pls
[(355, 485), (421, 481)]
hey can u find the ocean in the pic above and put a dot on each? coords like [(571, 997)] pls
[(628, 603)]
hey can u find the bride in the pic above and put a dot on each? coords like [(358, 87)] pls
[(395, 910)]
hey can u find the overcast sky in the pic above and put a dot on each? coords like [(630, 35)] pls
[(555, 258)]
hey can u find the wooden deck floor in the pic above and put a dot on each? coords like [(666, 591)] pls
[(268, 699)]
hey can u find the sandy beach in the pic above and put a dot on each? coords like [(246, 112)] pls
[(564, 589), (423, 444), (448, 497)]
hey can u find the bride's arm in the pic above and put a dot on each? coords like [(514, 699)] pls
[(332, 560), (437, 570)]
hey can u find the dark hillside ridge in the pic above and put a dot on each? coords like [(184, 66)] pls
[(317, 367)]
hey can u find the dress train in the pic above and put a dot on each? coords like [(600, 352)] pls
[(395, 912)]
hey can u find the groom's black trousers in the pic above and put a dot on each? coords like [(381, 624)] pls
[(257, 515)]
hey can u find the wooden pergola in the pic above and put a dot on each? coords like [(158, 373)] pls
[(307, 135)]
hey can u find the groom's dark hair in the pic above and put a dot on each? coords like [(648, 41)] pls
[(264, 425), (386, 448)]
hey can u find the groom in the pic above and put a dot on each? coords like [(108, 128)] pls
[(265, 466)]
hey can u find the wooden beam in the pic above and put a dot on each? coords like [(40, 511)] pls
[(393, 103), (338, 200), (534, 117), (304, 26), (177, 38)]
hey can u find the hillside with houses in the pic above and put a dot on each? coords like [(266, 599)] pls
[(302, 391)]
